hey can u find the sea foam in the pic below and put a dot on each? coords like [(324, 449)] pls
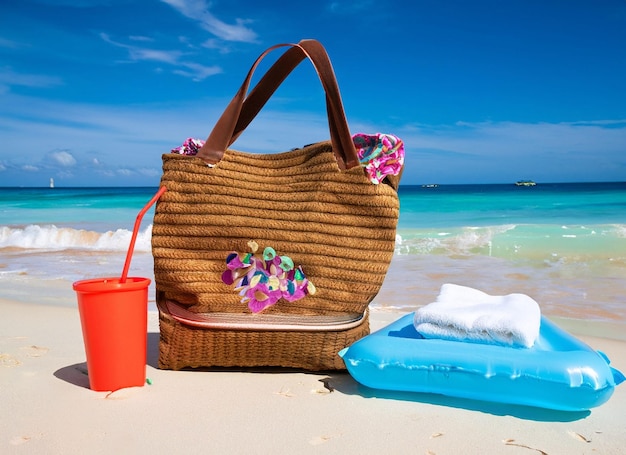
[(50, 237)]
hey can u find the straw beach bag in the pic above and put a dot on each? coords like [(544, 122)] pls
[(273, 259)]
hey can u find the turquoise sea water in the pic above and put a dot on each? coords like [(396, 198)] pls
[(563, 244), (542, 222)]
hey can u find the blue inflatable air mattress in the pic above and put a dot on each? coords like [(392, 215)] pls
[(559, 372)]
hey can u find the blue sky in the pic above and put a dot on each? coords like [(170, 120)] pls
[(92, 92)]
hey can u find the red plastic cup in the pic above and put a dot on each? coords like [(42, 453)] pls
[(114, 320)]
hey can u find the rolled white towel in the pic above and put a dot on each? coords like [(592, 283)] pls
[(462, 313)]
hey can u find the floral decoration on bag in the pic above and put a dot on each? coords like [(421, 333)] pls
[(380, 154), (191, 146), (262, 282)]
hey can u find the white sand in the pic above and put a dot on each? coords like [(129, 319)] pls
[(47, 407)]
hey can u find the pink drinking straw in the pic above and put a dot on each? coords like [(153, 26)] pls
[(131, 247)]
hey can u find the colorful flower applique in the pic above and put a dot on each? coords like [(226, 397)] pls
[(380, 154), (191, 146), (262, 282)]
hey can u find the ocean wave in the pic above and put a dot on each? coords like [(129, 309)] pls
[(50, 237), (467, 240), (529, 241), (510, 240), (620, 230)]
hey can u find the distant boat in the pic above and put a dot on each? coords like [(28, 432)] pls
[(51, 182), (430, 185), (525, 183)]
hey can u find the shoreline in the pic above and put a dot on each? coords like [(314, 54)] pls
[(48, 407), (585, 304)]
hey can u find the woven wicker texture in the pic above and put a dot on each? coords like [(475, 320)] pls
[(336, 224), (314, 204), (183, 346)]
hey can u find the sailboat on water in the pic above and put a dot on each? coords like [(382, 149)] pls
[(51, 182)]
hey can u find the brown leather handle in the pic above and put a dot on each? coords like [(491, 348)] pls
[(244, 107), (269, 83)]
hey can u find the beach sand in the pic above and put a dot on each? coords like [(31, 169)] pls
[(47, 406)]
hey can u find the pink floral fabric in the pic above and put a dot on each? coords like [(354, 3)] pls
[(380, 154), (191, 146)]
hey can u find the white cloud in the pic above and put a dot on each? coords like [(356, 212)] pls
[(140, 38), (9, 78), (149, 172), (198, 10), (170, 57), (197, 72), (503, 151), (63, 158), (124, 144), (109, 174), (190, 69), (141, 53), (217, 45), (491, 138)]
